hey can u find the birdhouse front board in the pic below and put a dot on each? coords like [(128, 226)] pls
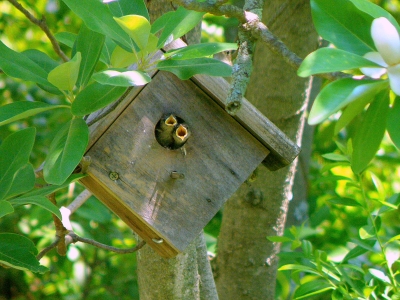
[(167, 194)]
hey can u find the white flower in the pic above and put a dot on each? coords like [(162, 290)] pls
[(387, 42)]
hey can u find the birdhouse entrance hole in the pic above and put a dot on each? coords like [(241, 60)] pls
[(171, 131)]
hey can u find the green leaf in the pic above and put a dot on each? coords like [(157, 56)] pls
[(341, 23), (370, 133), (98, 17), (126, 79), (311, 288), (355, 252), (120, 58), (23, 109), (161, 22), (14, 154), (24, 181), (66, 151), (340, 93), (65, 76), (199, 50), (66, 38), (47, 190), (375, 11), (179, 23), (41, 58), (19, 252), (344, 201), (108, 49), (366, 232), (94, 97), (37, 200), (137, 27), (5, 208), (335, 157), (90, 44), (351, 111), (128, 7), (185, 69), (279, 239), (300, 268), (18, 65), (393, 124), (327, 60)]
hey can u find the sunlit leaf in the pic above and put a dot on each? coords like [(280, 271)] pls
[(65, 76), (23, 109), (19, 252), (5, 208), (370, 133), (379, 275), (121, 58), (66, 151), (300, 268), (355, 252), (366, 232), (137, 27), (340, 93), (98, 17), (90, 44), (341, 23), (199, 50), (14, 154), (327, 60), (185, 69), (179, 23), (37, 200), (94, 97), (125, 78)]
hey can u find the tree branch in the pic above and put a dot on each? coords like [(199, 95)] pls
[(43, 25)]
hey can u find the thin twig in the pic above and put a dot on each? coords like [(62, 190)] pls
[(43, 25), (75, 238), (48, 248), (60, 229), (79, 200)]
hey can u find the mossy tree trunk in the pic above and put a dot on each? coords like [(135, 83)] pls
[(247, 262)]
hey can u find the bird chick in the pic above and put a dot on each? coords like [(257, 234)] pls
[(180, 135), (164, 130)]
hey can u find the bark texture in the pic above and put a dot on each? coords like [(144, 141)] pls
[(247, 262)]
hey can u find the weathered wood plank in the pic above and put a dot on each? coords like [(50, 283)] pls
[(220, 155)]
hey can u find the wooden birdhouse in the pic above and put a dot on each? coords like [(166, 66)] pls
[(167, 195)]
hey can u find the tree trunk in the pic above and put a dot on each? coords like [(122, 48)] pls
[(188, 276), (247, 262)]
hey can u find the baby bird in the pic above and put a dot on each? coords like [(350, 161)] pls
[(164, 130), (180, 135)]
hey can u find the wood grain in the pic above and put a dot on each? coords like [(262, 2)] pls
[(220, 155)]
